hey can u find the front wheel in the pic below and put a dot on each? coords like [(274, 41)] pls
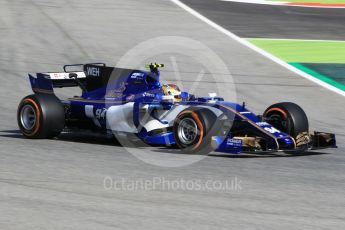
[(40, 116), (288, 117)]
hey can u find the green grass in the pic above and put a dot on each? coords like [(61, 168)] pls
[(315, 1), (302, 51), (319, 76)]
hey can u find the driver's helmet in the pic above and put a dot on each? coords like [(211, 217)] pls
[(172, 90)]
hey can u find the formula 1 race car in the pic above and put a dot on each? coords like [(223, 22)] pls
[(134, 102)]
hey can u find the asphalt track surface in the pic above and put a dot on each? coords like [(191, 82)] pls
[(269, 21), (58, 184)]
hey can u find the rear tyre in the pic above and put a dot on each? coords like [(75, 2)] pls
[(193, 129), (41, 116), (288, 117)]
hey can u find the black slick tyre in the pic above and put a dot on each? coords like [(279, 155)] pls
[(40, 116), (288, 117), (193, 129)]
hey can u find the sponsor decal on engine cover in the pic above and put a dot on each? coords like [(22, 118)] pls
[(139, 76), (146, 94)]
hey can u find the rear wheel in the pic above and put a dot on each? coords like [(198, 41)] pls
[(40, 116), (288, 117), (193, 129)]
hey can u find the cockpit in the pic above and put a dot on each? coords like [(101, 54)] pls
[(173, 91)]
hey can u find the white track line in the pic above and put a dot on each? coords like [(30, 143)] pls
[(257, 49), (262, 2), (288, 4)]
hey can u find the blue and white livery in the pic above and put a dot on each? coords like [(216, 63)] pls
[(134, 102)]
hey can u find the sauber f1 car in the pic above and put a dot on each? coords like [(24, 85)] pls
[(134, 102)]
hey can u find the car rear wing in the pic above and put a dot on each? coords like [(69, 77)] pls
[(73, 76), (69, 68)]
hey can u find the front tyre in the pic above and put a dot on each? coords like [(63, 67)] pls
[(288, 117), (40, 116)]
